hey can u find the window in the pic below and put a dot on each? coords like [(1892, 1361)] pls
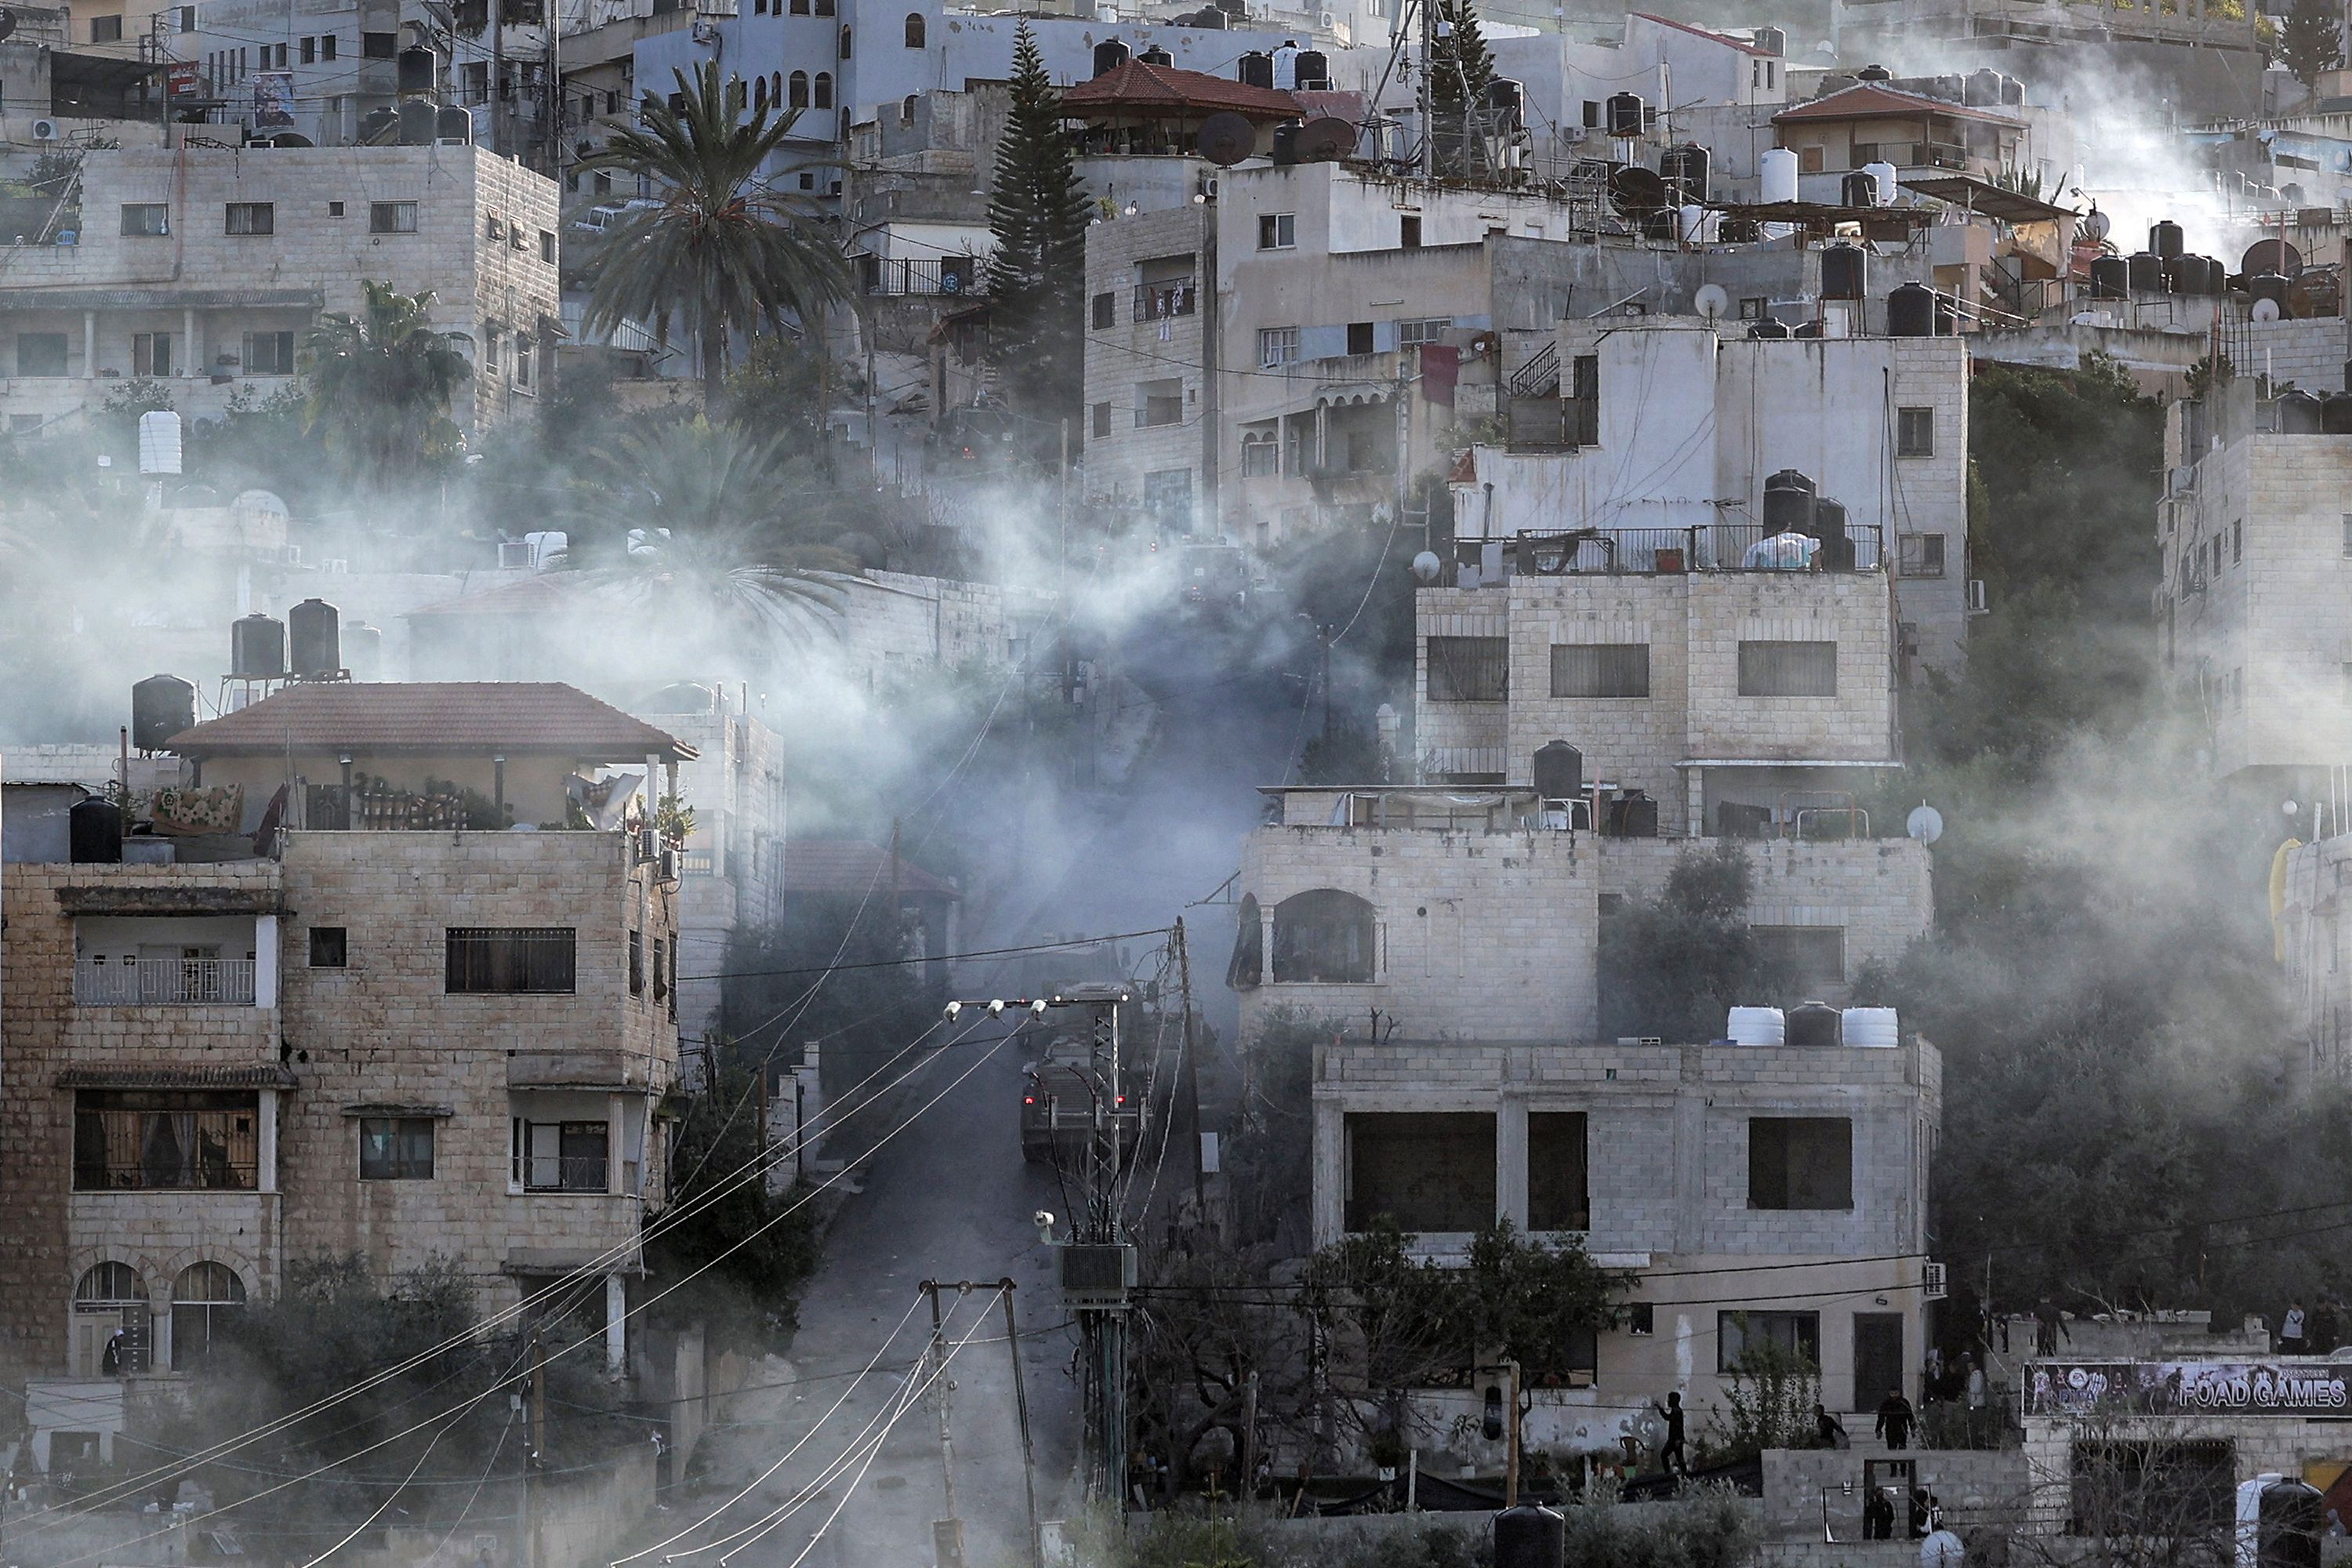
[(1797, 1334), (1600, 669), (142, 1140), (796, 90), (188, 18), (1923, 554), (1592, 114), (146, 218), (800, 7), (394, 218), (636, 963), (661, 975), (488, 960), (1469, 669), (1105, 311), (1408, 231), (1425, 1171), (1915, 431), (1359, 337), (1800, 1162), (151, 354), (250, 217), (1788, 669), (1168, 497), (845, 43), (334, 209), (822, 96), (1261, 454), (269, 354), (395, 1148), (206, 1298), (40, 353), (330, 947), (1641, 1318), (1101, 419), (106, 29), (1429, 329), (2237, 539), (1754, 307), (907, 109), (560, 1156), (1323, 937), (546, 245), (1159, 403), (379, 46), (914, 30), (111, 1326), (1810, 956), (1279, 346), (2347, 536), (309, 51), (824, 7), (326, 46), (1278, 231), (1556, 1198)]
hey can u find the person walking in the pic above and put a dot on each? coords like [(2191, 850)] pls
[(1976, 1381), (1671, 1457), (1828, 1428), (1878, 1516), (1895, 1418)]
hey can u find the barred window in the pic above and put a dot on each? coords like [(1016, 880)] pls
[(487, 959), (1600, 669), (1788, 669), (131, 1139), (1923, 554), (1469, 669)]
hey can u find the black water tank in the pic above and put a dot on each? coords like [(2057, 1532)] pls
[(1110, 54), (1530, 1536), (2289, 1525), (1635, 816), (1788, 503), (1873, 73), (1686, 170), (2145, 271), (363, 651), (2216, 277), (2184, 275), (1559, 771), (2110, 278), (2012, 91), (2299, 413), (94, 832), (2268, 286), (1155, 56), (1911, 311), (1625, 114), (1285, 143), (314, 630), (419, 118), (2336, 419), (1829, 527), (1858, 189), (1771, 41), (2164, 238), (418, 73), (1846, 272), (161, 707), (1314, 71), (1211, 17), (1254, 70), (1815, 1023), (257, 647), (1769, 328)]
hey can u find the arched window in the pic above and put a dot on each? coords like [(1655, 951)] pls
[(845, 43), (1246, 968), (109, 1322), (776, 88), (760, 94), (907, 109), (204, 1298), (823, 99), (796, 90), (1323, 936), (915, 29)]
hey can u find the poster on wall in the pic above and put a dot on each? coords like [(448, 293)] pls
[(273, 100), (2190, 1388)]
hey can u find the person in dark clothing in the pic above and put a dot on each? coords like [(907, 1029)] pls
[(1878, 1516), (1671, 1457), (1922, 1507), (2324, 1334), (1895, 1419), (1828, 1428)]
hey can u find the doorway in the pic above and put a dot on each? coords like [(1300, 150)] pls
[(1877, 1358)]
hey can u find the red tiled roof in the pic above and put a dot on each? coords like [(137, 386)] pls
[(853, 867), (1709, 34), (1868, 101), (1136, 88), (542, 718)]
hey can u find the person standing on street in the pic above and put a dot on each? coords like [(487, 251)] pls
[(2291, 1340)]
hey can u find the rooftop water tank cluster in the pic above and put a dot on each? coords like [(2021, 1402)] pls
[(1814, 1024)]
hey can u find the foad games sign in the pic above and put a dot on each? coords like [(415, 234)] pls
[(2191, 1388)]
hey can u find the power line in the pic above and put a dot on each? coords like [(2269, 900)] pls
[(941, 958)]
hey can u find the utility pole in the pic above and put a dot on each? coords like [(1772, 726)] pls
[(1192, 1073), (1427, 98), (1021, 1409), (947, 1535), (1097, 1267), (534, 1460), (554, 97), (1062, 518), (1247, 1485), (1511, 1463), (497, 76)]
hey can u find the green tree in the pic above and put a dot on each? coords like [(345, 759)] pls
[(2311, 41), (1038, 211), (380, 382), (1459, 68), (726, 253), (1673, 966)]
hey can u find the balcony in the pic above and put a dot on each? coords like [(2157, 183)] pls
[(565, 1173), (952, 276), (164, 983), (1160, 302), (1667, 552)]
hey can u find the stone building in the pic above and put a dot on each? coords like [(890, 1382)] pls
[(1753, 1194), (200, 267), (270, 1037)]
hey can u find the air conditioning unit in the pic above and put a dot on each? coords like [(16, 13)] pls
[(1572, 134), (1932, 1281), (1095, 1274), (45, 131), (1976, 597), (1207, 187)]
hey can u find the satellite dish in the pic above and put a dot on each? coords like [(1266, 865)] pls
[(2270, 256), (1426, 566), (7, 23), (1637, 192), (1326, 138), (1924, 823), (2265, 310), (1225, 139), (1711, 300), (2094, 225)]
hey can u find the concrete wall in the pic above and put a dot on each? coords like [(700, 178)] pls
[(1809, 1491), (1120, 451)]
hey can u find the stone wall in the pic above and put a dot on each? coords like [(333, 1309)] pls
[(1809, 1491), (1129, 351)]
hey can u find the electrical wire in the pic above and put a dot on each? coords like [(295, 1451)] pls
[(944, 957)]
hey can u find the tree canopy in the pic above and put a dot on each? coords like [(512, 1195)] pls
[(1037, 213)]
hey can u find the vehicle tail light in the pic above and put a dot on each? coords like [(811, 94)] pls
[(1028, 1100), (1122, 1099)]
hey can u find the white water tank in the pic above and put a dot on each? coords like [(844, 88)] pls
[(159, 442), (1889, 179), (1757, 1026), (1778, 172), (1699, 224), (1872, 1026)]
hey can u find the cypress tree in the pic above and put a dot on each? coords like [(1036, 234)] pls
[(1038, 211), (2311, 41), (1459, 69)]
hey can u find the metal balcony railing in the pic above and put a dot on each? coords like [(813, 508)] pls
[(1718, 547), (565, 1173), (164, 983), (1157, 301), (952, 275)]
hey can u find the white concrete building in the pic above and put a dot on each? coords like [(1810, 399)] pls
[(201, 267)]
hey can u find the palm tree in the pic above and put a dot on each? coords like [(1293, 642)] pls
[(724, 251), (695, 512), (380, 382)]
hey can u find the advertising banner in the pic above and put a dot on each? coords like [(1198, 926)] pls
[(2191, 1388)]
